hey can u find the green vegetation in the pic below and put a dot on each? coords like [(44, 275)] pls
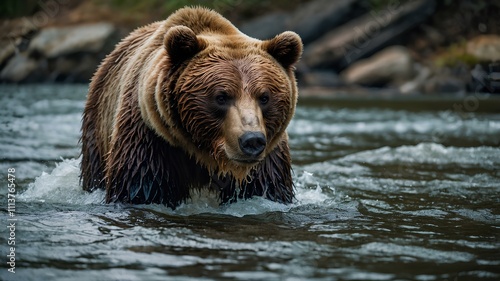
[(455, 55)]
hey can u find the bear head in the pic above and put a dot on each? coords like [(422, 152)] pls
[(223, 97)]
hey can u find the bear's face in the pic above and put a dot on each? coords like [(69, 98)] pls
[(234, 107), (233, 97)]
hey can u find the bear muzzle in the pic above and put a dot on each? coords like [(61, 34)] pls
[(252, 144)]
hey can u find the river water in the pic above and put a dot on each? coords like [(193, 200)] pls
[(404, 189)]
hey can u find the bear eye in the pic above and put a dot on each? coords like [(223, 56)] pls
[(264, 98), (222, 98)]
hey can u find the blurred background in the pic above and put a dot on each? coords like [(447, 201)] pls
[(395, 145), (360, 46)]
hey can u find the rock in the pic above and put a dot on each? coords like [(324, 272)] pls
[(69, 69), (265, 27), (444, 84), (318, 17), (416, 85), (310, 21), (493, 81), (367, 34), (479, 79), (485, 47), (320, 78), (391, 65), (18, 68), (485, 80), (10, 38), (58, 41), (7, 50), (57, 54)]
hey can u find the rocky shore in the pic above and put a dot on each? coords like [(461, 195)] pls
[(406, 47)]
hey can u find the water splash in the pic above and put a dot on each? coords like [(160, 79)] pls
[(62, 185)]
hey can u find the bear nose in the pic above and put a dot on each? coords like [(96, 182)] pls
[(252, 143)]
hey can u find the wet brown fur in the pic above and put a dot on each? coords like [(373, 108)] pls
[(148, 135)]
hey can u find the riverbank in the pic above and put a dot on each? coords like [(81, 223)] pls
[(406, 47)]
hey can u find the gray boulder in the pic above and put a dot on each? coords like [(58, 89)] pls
[(18, 68), (320, 78), (59, 41), (65, 54), (391, 65), (318, 17), (310, 21), (266, 26), (444, 84), (7, 50), (416, 85), (367, 34)]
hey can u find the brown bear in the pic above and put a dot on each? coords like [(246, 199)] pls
[(191, 102)]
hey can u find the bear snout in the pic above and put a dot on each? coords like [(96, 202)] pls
[(252, 143)]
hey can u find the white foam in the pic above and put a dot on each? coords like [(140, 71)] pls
[(308, 191), (62, 185), (206, 202), (427, 153)]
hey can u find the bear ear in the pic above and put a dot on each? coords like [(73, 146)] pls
[(286, 48), (181, 43)]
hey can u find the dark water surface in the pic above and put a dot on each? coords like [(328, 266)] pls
[(385, 191)]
